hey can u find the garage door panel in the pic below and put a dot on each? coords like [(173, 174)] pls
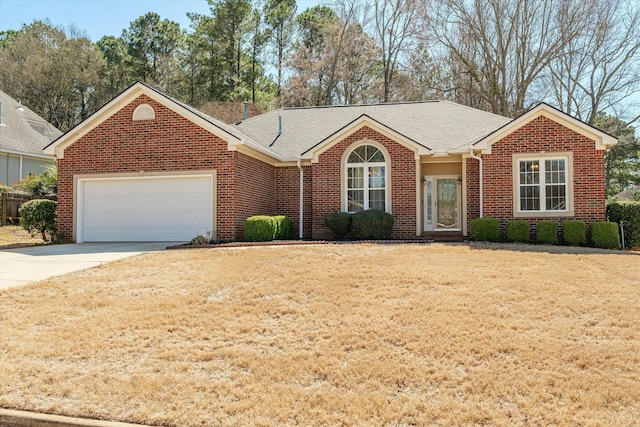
[(146, 209)]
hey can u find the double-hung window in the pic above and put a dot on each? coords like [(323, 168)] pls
[(366, 183), (543, 185)]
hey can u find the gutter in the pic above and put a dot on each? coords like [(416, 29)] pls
[(479, 159), (301, 209)]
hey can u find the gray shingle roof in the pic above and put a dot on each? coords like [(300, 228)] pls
[(16, 131), (437, 125)]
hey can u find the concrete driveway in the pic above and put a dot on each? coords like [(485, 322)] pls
[(26, 265)]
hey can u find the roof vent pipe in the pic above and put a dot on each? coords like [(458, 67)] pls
[(279, 130)]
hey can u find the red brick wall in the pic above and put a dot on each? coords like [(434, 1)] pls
[(541, 134), (255, 193), (288, 197), (168, 143), (327, 177)]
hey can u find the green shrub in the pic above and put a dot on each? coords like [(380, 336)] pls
[(260, 228), (372, 224), (629, 212), (485, 229), (518, 231), (338, 223), (574, 232), (605, 235), (6, 189), (41, 185), (39, 216), (547, 232), (284, 227)]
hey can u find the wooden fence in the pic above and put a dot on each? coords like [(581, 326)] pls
[(11, 203)]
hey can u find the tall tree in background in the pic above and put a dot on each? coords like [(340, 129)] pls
[(599, 69), (153, 45), (55, 75), (622, 161), (115, 74), (396, 25), (334, 60), (503, 46), (280, 18)]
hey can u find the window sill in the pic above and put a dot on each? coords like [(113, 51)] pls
[(547, 214)]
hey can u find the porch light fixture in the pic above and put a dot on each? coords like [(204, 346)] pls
[(459, 179)]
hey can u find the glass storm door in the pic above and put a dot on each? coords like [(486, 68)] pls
[(441, 203)]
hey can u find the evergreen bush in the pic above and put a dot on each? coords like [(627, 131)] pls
[(574, 232), (372, 224), (338, 223), (39, 216), (629, 212), (518, 231), (284, 227), (260, 228), (605, 235), (485, 229), (547, 232)]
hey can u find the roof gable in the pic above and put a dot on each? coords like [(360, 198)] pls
[(223, 131), (602, 140)]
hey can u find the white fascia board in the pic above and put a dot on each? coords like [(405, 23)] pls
[(27, 154)]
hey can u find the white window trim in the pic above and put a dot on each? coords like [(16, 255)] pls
[(344, 178), (541, 157)]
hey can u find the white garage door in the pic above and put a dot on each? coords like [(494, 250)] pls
[(148, 209)]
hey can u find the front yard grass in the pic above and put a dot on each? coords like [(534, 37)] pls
[(13, 236), (353, 334)]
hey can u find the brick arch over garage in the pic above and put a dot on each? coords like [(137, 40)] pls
[(327, 181)]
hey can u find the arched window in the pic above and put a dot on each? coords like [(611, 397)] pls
[(144, 112), (366, 183)]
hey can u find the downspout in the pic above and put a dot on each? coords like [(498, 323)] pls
[(300, 221), (479, 159)]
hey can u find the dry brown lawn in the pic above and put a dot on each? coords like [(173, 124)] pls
[(324, 335), (12, 236)]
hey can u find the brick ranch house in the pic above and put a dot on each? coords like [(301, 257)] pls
[(146, 167)]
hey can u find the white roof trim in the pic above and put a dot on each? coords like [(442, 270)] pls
[(58, 146), (314, 153), (602, 140), (26, 154)]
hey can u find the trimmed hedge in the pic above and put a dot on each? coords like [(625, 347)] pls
[(518, 231), (338, 223), (485, 229), (284, 227), (372, 224), (547, 232), (605, 235), (260, 228), (574, 232), (264, 228), (39, 215), (630, 213)]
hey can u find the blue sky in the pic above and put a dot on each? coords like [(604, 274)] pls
[(99, 18)]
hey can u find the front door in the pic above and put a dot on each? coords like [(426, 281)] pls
[(442, 196)]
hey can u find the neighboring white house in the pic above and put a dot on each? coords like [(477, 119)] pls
[(23, 135)]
